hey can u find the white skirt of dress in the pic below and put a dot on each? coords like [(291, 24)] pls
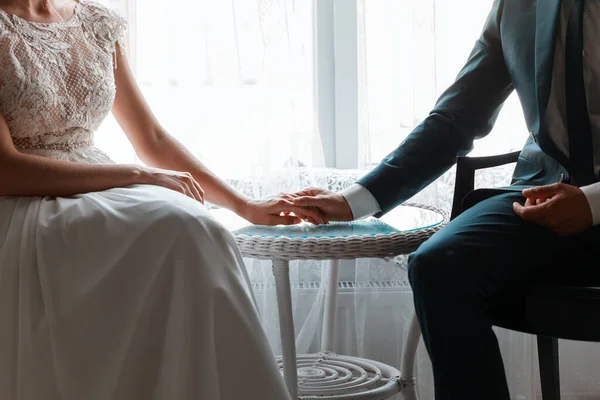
[(126, 294)]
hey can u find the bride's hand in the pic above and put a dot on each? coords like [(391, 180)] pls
[(279, 210), (182, 182)]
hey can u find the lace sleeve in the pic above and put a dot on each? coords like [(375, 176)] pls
[(106, 26)]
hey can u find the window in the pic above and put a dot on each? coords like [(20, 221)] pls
[(254, 86), (233, 81), (412, 51)]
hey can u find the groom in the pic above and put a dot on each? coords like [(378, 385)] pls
[(549, 52)]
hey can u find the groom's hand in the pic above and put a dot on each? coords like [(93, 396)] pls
[(560, 207), (332, 206)]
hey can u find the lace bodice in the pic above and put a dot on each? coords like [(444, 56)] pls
[(57, 79)]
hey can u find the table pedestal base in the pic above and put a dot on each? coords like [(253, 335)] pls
[(326, 375)]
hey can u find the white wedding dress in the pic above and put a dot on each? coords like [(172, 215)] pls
[(128, 294)]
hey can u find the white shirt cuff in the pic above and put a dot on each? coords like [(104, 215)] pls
[(592, 193), (362, 203)]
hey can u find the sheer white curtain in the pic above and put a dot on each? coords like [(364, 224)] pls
[(235, 81)]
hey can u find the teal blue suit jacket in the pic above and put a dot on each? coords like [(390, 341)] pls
[(515, 52)]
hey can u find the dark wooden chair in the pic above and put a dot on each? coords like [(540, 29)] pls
[(551, 310)]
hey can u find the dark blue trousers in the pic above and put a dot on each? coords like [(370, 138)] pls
[(485, 253)]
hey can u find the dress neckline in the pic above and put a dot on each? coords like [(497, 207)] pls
[(45, 24)]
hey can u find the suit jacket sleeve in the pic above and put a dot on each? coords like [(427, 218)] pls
[(466, 111)]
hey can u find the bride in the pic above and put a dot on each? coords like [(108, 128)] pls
[(115, 282)]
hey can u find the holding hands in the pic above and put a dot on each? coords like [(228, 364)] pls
[(331, 205), (314, 205), (278, 210)]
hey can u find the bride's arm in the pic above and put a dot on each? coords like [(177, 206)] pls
[(30, 175), (156, 148)]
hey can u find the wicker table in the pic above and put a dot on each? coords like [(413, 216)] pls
[(327, 374)]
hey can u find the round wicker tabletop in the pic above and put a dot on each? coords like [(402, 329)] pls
[(400, 232)]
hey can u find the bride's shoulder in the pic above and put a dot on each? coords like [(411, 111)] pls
[(94, 11), (105, 23)]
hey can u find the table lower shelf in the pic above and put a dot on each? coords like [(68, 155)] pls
[(335, 377)]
